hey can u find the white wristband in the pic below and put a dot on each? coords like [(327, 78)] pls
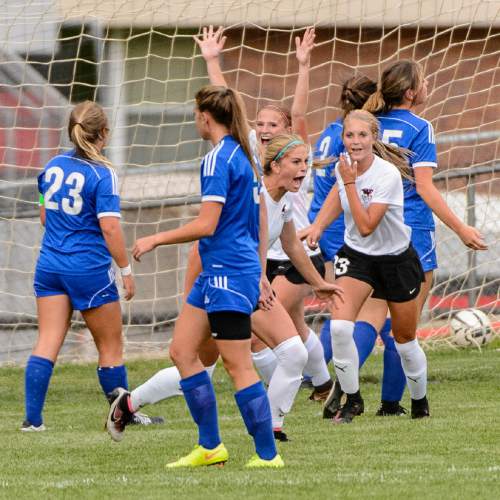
[(126, 271)]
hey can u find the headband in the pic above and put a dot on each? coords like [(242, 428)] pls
[(295, 142)]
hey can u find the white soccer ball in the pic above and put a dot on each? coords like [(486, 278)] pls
[(471, 327)]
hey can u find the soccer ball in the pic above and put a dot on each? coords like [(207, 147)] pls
[(471, 327)]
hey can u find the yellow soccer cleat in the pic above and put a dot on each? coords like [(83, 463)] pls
[(202, 456), (257, 462)]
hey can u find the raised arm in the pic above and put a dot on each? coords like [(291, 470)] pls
[(299, 106), (211, 44)]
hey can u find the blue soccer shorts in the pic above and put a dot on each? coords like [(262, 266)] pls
[(424, 243), (225, 293), (84, 291)]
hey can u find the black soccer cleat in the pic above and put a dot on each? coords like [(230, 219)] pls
[(420, 408), (321, 392), (333, 402), (279, 435), (353, 407), (119, 414), (391, 409)]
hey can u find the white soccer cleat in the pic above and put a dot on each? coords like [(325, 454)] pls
[(27, 427)]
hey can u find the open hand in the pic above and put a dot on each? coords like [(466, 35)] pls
[(129, 286), (329, 292), (211, 42), (304, 47)]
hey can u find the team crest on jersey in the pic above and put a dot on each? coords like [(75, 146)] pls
[(366, 194)]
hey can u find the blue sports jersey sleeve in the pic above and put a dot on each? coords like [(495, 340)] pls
[(107, 197), (424, 148), (215, 177)]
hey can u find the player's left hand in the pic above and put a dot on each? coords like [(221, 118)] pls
[(348, 171), (472, 238), (305, 46), (267, 297), (329, 292), (142, 246)]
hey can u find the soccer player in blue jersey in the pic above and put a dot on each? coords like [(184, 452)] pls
[(81, 214), (226, 293)]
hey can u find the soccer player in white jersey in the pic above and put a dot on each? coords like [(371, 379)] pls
[(81, 213), (376, 260)]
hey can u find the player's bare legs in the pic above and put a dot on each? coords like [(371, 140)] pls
[(54, 315)]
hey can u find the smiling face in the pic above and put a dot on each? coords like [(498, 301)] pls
[(290, 170), (270, 122), (358, 140)]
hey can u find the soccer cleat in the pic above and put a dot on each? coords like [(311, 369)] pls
[(279, 435), (139, 418), (119, 414), (256, 462), (391, 409), (306, 382), (27, 427), (353, 407), (321, 392), (201, 456), (420, 408), (333, 402)]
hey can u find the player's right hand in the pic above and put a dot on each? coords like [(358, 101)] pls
[(211, 43), (142, 246), (312, 235), (129, 286)]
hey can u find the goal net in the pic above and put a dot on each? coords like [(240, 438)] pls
[(138, 59)]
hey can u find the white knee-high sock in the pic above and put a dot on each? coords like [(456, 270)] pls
[(345, 355), (415, 367), (285, 382), (162, 385), (316, 365), (266, 362)]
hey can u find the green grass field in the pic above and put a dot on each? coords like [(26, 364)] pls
[(454, 454)]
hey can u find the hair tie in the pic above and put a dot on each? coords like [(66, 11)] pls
[(295, 142)]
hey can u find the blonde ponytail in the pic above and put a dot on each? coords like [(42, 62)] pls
[(87, 124)]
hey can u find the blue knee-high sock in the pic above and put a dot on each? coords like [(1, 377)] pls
[(394, 379), (325, 338), (365, 337), (36, 383), (256, 412), (200, 398), (111, 377)]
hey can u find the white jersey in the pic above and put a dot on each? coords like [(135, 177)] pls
[(278, 212), (300, 208), (381, 183)]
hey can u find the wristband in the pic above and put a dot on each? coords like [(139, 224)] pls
[(126, 271), (347, 183)]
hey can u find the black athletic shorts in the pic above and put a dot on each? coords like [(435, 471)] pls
[(396, 278), (286, 268)]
